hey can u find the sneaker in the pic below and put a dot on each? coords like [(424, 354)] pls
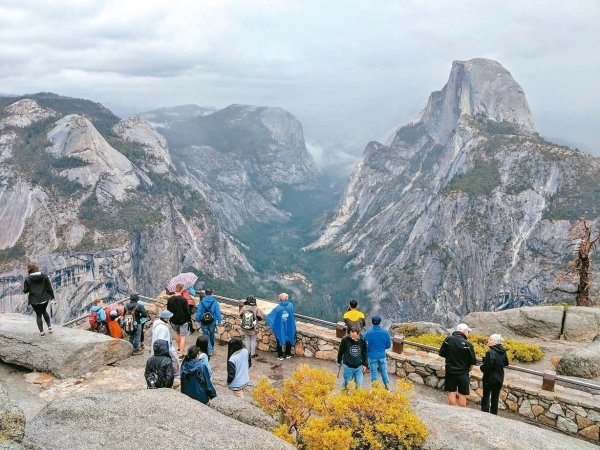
[(255, 355), (280, 358), (50, 330), (42, 333), (288, 356)]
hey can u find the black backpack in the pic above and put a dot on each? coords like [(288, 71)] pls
[(207, 318), (248, 320), (153, 381)]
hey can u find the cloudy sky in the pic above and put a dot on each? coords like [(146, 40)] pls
[(351, 71)]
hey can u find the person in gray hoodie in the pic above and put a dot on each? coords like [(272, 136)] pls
[(238, 365)]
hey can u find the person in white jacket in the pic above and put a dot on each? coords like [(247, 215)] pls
[(162, 330)]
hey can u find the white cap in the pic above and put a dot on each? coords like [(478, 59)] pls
[(463, 327)]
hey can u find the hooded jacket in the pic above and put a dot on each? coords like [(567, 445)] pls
[(459, 353), (161, 365), (494, 362), (195, 380), (39, 288), (209, 303), (378, 341), (160, 330)]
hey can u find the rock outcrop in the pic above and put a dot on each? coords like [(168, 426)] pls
[(466, 209), (243, 411), (145, 419), (12, 419), (65, 353), (451, 427), (417, 328), (540, 322), (581, 323), (582, 363)]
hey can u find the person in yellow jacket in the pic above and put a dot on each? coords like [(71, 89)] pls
[(354, 318)]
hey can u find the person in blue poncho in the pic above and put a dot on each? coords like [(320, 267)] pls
[(283, 323)]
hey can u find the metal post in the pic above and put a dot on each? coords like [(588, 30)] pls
[(398, 344), (548, 380)]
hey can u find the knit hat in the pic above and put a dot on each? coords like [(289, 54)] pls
[(134, 297), (376, 320)]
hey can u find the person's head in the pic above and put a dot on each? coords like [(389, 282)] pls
[(353, 304), (208, 291), (376, 320), (165, 316), (114, 314), (250, 300), (179, 288), (134, 297), (32, 267), (495, 339), (235, 344), (202, 343), (192, 353), (463, 328), (201, 294), (354, 333), (283, 297), (98, 302)]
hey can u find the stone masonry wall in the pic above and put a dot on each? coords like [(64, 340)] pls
[(570, 411)]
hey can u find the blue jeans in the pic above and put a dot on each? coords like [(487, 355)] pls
[(135, 338), (379, 365), (353, 374), (209, 330)]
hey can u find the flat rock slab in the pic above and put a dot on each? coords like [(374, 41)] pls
[(452, 427), (145, 419), (68, 352), (582, 363), (582, 323), (244, 411)]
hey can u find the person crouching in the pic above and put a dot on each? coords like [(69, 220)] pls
[(238, 364), (159, 367)]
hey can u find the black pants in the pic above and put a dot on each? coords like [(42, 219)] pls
[(288, 350), (490, 390), (40, 310)]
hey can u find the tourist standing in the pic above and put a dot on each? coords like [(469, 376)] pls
[(352, 356), (250, 314), (209, 316), (283, 323), (494, 362), (378, 341), (353, 318), (162, 330), (39, 288), (132, 322), (460, 356), (178, 305)]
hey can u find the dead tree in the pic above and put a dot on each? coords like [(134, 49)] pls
[(579, 269)]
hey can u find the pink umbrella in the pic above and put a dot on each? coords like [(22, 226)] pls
[(187, 279)]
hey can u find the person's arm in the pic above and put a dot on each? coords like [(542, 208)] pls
[(506, 361), (102, 315), (259, 314), (186, 311), (341, 351), (199, 312), (444, 349), (210, 389), (230, 371), (249, 360), (218, 317), (48, 287), (388, 341), (486, 362), (365, 361), (169, 376), (472, 354), (26, 286)]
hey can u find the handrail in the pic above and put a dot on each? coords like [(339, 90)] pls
[(86, 315), (544, 375)]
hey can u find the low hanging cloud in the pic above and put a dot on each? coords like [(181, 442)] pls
[(349, 71)]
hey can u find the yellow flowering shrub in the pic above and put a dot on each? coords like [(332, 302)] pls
[(515, 350), (314, 416)]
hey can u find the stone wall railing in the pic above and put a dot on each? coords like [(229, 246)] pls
[(570, 411)]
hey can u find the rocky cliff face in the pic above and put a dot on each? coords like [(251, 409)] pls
[(466, 209), (106, 206)]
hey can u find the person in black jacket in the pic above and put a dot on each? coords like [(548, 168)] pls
[(159, 367), (352, 354), (460, 356), (178, 305), (494, 362), (39, 288)]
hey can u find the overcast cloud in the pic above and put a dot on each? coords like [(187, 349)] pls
[(351, 71)]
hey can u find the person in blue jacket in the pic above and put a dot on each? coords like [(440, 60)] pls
[(195, 376), (209, 322), (283, 323), (378, 341)]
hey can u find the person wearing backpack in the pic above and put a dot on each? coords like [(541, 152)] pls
[(113, 321), (97, 317), (494, 362), (39, 288), (159, 367), (209, 316), (162, 331), (353, 318), (283, 323), (180, 321), (238, 365), (250, 314), (195, 376), (132, 324)]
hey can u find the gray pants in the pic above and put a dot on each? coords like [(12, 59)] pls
[(250, 342)]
